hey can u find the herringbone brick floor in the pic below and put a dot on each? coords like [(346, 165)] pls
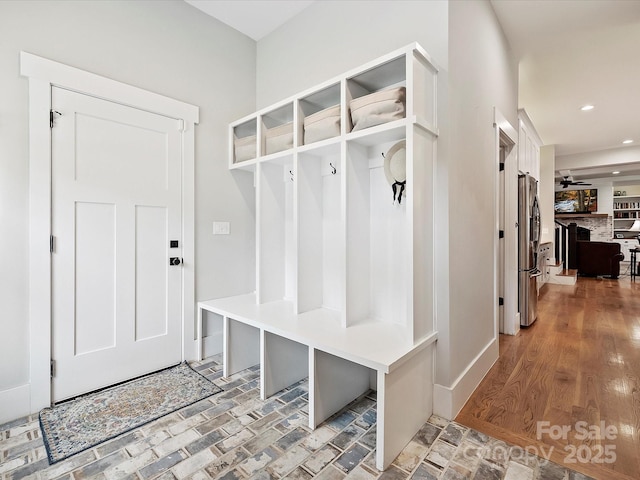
[(235, 435)]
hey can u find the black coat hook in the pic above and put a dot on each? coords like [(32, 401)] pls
[(333, 169)]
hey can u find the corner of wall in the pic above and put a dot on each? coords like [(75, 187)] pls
[(449, 400)]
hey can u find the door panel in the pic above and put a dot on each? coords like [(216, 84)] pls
[(95, 300), (116, 203), (151, 271)]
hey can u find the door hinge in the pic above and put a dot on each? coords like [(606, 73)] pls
[(52, 243), (53, 368), (501, 167), (52, 116), (500, 301), (181, 125), (500, 233)]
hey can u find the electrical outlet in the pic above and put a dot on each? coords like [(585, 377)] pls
[(221, 228)]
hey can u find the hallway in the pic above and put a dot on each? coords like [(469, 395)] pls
[(579, 362)]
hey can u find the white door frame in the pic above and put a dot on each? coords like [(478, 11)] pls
[(510, 274), (43, 74)]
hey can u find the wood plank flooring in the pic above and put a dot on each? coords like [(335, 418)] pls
[(579, 362)]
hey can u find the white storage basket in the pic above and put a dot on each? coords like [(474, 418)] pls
[(322, 125), (279, 138), (245, 148), (378, 107)]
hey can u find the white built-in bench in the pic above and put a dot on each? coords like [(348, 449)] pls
[(341, 363)]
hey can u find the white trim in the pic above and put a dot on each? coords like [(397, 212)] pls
[(14, 403), (511, 321), (71, 78), (524, 118), (43, 74), (448, 401), (503, 124), (190, 348), (39, 231)]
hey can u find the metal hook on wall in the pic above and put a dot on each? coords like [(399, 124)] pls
[(333, 169), (291, 173)]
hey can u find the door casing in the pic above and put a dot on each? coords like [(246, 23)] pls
[(42, 74), (506, 134)]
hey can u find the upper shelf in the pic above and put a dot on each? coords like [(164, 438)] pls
[(396, 84)]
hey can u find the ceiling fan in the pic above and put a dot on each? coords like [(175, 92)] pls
[(568, 180)]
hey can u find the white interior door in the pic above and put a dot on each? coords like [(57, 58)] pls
[(116, 205)]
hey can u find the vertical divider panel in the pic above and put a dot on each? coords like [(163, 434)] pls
[(298, 124), (405, 403), (231, 154), (333, 383), (263, 368), (283, 363), (261, 148), (421, 215), (271, 218), (332, 228), (423, 78), (421, 154), (290, 247), (345, 99), (226, 347), (257, 180), (357, 233), (309, 241), (344, 225), (241, 346), (199, 336)]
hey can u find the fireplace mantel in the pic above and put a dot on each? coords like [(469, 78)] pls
[(581, 215)]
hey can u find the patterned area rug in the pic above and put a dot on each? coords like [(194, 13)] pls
[(84, 422)]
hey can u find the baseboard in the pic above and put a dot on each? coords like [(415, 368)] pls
[(14, 403), (448, 401)]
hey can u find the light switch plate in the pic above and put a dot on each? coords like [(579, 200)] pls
[(221, 228)]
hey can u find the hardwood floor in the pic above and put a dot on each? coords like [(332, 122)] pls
[(579, 362)]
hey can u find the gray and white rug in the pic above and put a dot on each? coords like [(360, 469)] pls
[(76, 425)]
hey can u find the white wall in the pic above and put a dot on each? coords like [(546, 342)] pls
[(483, 75), (331, 37), (477, 73), (167, 47), (546, 192)]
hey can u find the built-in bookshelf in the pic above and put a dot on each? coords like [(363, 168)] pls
[(626, 211)]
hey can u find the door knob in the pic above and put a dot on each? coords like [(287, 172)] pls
[(175, 261)]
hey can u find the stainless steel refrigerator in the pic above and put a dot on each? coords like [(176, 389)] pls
[(528, 243)]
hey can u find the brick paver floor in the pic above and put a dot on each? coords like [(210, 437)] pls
[(235, 435)]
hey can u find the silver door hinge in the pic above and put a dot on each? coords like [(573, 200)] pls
[(52, 243), (53, 368), (181, 125), (52, 115)]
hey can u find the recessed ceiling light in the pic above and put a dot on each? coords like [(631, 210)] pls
[(587, 108), (615, 173), (627, 141)]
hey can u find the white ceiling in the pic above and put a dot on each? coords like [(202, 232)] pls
[(571, 53), (254, 18)]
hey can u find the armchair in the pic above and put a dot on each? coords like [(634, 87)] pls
[(598, 258)]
